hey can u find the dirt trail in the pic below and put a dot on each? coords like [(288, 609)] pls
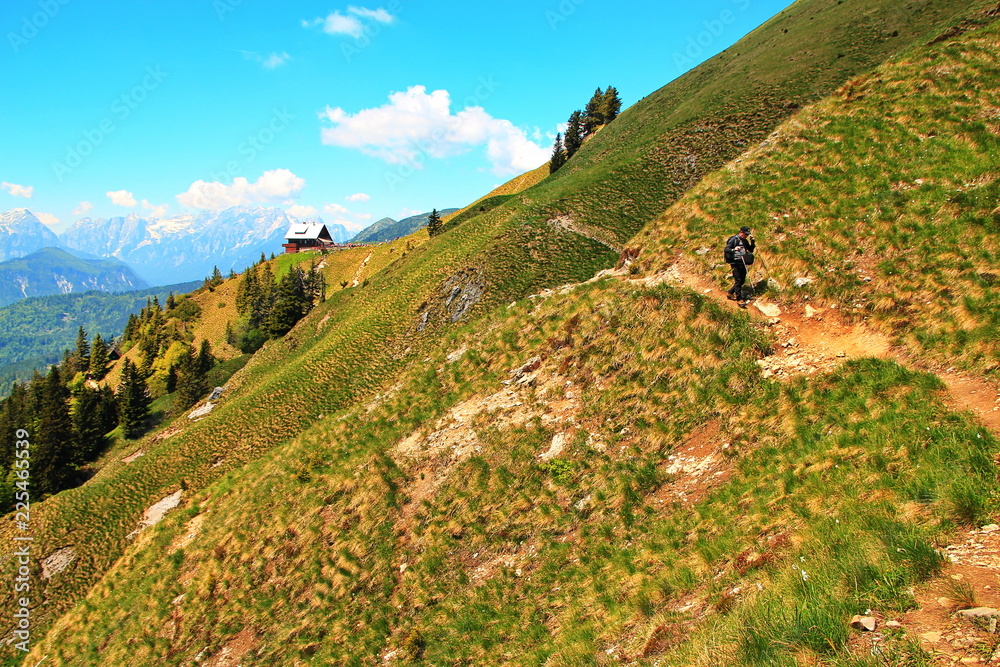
[(812, 339)]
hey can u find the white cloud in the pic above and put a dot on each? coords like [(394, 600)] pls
[(351, 23), (408, 212), (362, 217), (416, 124), (275, 60), (18, 190), (82, 208), (336, 209), (272, 61), (155, 211), (357, 196), (47, 219), (275, 186), (121, 198), (300, 211)]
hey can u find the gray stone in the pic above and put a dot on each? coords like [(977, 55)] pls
[(982, 617), (863, 623)]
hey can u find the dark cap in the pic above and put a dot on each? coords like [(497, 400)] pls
[(745, 229)]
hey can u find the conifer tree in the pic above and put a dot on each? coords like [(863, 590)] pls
[(133, 400), (573, 138), (205, 360), (610, 106), (52, 448), (171, 301), (290, 303), (99, 358), (191, 385), (434, 223), (558, 155), (82, 357), (592, 112), (93, 410)]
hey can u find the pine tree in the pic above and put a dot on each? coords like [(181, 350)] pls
[(558, 155), (573, 138), (434, 223), (592, 112), (205, 360), (191, 385), (291, 303), (82, 357), (98, 359), (611, 105), (171, 301), (90, 423), (53, 442), (133, 401), (217, 278)]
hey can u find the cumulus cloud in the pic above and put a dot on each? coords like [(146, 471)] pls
[(82, 208), (352, 23), (18, 190), (155, 211), (121, 198), (278, 186), (272, 61), (416, 124), (336, 209), (47, 219), (357, 196), (300, 211)]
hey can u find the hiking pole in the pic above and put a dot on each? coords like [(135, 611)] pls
[(746, 268)]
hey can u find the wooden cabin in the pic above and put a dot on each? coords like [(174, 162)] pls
[(307, 236)]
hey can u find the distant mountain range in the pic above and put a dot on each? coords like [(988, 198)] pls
[(55, 271), (183, 247), (21, 233), (388, 229)]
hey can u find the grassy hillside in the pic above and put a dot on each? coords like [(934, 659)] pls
[(880, 202), (335, 530)]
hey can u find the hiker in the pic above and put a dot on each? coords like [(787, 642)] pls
[(739, 255)]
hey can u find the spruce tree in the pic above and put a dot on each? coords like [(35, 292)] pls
[(434, 223), (290, 303), (133, 400), (592, 116), (52, 448), (98, 359), (558, 155), (574, 134), (610, 105), (90, 427), (171, 301), (205, 360), (82, 356), (191, 385)]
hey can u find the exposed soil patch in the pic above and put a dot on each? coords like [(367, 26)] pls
[(698, 465), (234, 650), (57, 561), (973, 570)]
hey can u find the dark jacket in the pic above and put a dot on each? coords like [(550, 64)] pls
[(735, 246)]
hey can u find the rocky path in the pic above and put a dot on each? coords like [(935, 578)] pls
[(812, 339)]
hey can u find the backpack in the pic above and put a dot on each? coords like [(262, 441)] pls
[(732, 255)]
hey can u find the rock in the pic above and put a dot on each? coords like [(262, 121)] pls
[(767, 309), (893, 624), (802, 281), (863, 623), (982, 617), (702, 251), (932, 637), (810, 311), (990, 528)]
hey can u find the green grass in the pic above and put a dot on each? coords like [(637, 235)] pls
[(308, 514), (884, 196), (505, 564)]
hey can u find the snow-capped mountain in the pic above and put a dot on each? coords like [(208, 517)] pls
[(183, 247), (21, 233)]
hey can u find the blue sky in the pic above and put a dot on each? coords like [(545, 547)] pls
[(349, 111)]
